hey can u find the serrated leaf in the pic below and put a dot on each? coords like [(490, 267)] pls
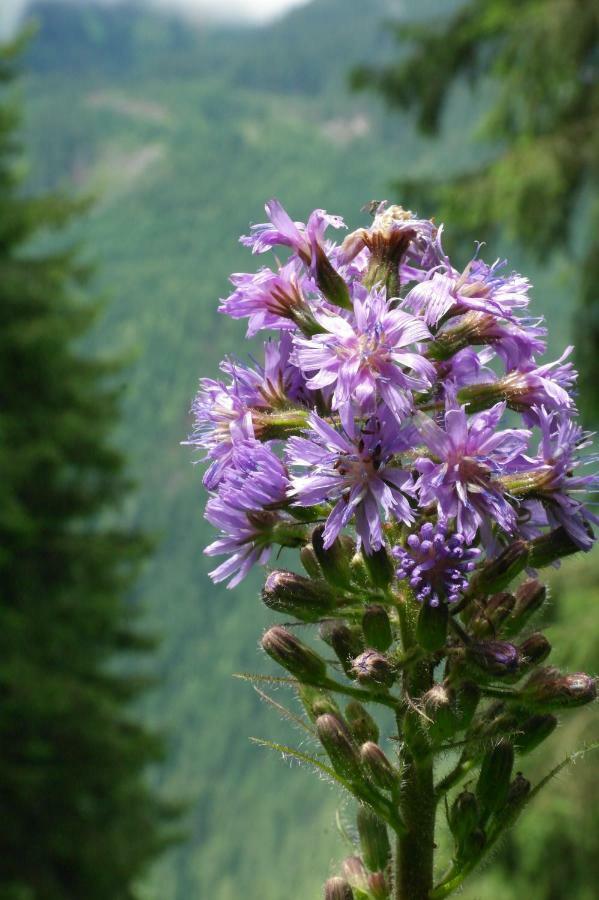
[(275, 680), (285, 713), (305, 758)]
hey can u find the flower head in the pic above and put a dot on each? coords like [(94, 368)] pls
[(436, 563), (367, 357), (355, 471)]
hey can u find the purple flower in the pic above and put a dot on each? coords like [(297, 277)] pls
[(479, 288), (244, 509), (367, 356), (354, 470), (458, 476), (436, 563), (268, 299), (282, 230), (549, 386), (552, 476)]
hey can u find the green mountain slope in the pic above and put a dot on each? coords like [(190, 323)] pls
[(183, 136)]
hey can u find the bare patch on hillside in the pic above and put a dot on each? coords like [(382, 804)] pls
[(344, 131), (145, 110)]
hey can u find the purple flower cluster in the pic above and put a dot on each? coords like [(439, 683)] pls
[(382, 407)]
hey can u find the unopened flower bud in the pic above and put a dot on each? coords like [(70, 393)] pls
[(373, 669), (304, 598), (353, 870), (341, 748), (316, 702), (360, 722), (548, 689), (346, 642), (533, 651), (295, 656), (330, 282), (467, 699), (359, 572), (518, 791), (533, 731), (378, 767), (378, 887), (379, 566), (496, 574), (463, 816), (310, 562), (490, 617), (494, 779), (377, 627), (333, 561), (440, 709), (550, 547), (473, 845), (374, 840), (494, 658), (530, 597), (431, 628), (338, 889)]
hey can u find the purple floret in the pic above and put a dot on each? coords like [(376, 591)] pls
[(355, 469), (436, 564), (458, 475), (366, 357), (245, 510), (281, 230)]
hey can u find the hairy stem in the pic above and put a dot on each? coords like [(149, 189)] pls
[(417, 803)]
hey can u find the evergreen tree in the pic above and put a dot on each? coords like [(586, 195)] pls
[(78, 820), (536, 63)]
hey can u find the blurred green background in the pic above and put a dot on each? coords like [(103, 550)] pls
[(182, 133)]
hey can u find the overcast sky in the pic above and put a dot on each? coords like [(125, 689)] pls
[(11, 11)]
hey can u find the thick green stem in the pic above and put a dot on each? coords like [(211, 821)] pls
[(417, 804)]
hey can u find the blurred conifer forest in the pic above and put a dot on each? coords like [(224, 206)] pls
[(181, 135)]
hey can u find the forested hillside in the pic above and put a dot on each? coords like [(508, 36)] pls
[(182, 136)]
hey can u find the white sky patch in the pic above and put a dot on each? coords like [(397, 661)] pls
[(13, 11)]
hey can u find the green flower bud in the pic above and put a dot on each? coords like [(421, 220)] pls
[(310, 562), (530, 597), (346, 642), (377, 627), (338, 889), (548, 548), (496, 574), (519, 790), (463, 816), (329, 280), (297, 596), (548, 689), (431, 628), (373, 669), (533, 731), (334, 562), (488, 620), (359, 572), (440, 708), (295, 656), (467, 699), (341, 748), (534, 650), (360, 722), (494, 779), (379, 566), (377, 766), (473, 845), (316, 702), (374, 840)]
